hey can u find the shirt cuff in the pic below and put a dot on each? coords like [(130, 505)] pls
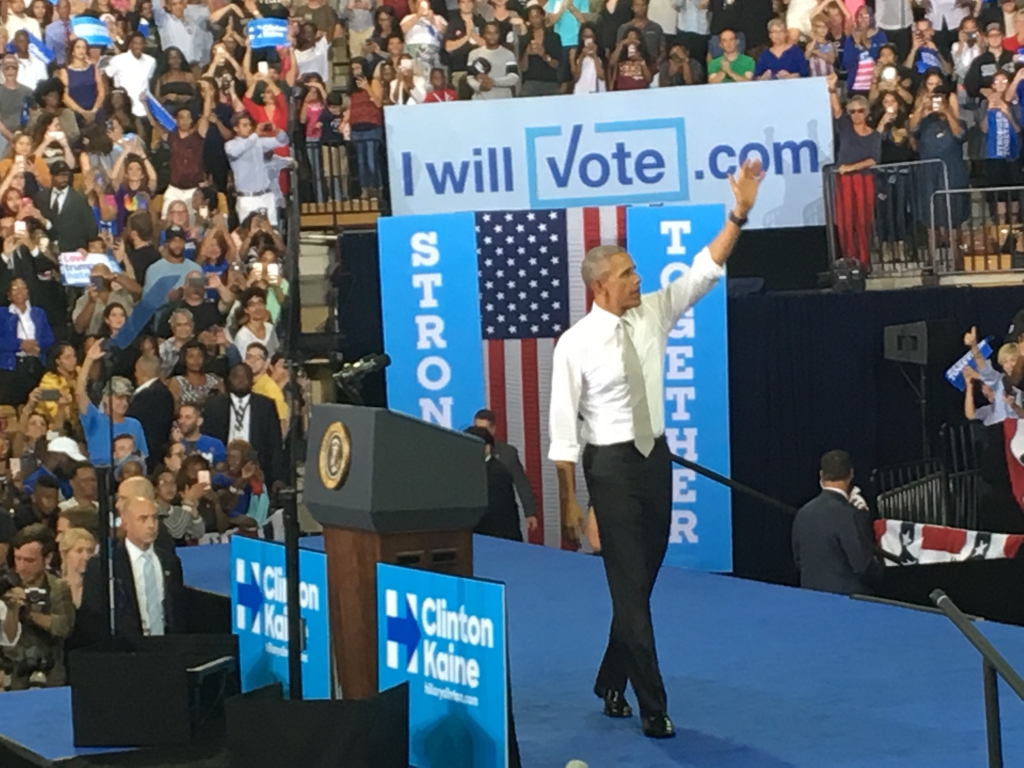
[(562, 450)]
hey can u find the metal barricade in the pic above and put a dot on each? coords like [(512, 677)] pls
[(883, 214), (987, 233)]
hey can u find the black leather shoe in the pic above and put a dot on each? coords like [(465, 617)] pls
[(615, 705), (658, 727)]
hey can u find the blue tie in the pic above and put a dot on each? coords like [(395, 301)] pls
[(154, 609)]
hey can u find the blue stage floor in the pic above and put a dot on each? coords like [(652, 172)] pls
[(758, 676)]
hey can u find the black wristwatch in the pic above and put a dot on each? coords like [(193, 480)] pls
[(737, 220)]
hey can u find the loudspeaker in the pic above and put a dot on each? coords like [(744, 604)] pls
[(921, 343), (152, 691), (268, 731)]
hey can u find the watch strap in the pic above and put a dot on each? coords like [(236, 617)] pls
[(737, 220)]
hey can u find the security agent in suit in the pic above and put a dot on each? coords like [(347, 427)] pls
[(71, 222), (242, 414), (153, 405), (509, 458), (833, 544), (502, 517), (149, 594)]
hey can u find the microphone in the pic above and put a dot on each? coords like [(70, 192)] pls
[(369, 364)]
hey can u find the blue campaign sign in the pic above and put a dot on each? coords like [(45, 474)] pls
[(260, 616), (92, 30), (675, 146), (955, 372), (663, 242), (267, 33), (431, 307), (161, 115), (36, 47), (445, 636)]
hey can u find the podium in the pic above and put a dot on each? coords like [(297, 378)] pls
[(387, 488)]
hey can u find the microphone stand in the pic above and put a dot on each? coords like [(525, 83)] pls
[(290, 350)]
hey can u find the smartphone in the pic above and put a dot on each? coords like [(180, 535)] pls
[(15, 466), (936, 102), (203, 477), (20, 227), (98, 282), (204, 211), (262, 68), (257, 270), (889, 74), (49, 395), (273, 272), (197, 282), (44, 242)]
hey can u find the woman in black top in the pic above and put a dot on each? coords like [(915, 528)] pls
[(611, 15), (540, 52), (893, 191)]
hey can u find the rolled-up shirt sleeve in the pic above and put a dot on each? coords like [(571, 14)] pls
[(686, 290), (563, 424), (7, 642)]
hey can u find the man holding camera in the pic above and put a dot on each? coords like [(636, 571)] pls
[(37, 612)]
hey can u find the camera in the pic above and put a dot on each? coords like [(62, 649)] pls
[(8, 580)]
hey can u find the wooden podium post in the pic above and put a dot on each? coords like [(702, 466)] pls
[(387, 488)]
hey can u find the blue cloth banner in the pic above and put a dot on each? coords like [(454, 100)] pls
[(431, 308), (92, 30), (267, 33), (36, 47), (161, 115), (445, 636), (663, 243), (143, 28), (529, 154), (955, 373), (260, 616)]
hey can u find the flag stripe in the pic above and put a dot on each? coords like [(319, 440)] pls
[(547, 493), (496, 377), (579, 302), (514, 393), (531, 427), (592, 237)]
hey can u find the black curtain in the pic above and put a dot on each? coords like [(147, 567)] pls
[(807, 374)]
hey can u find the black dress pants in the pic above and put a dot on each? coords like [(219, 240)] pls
[(632, 498)]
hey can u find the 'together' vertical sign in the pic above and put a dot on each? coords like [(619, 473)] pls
[(664, 242), (431, 310)]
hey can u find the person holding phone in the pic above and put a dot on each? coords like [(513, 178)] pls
[(540, 55), (588, 63), (628, 67), (104, 288)]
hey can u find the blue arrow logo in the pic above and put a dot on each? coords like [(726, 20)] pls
[(405, 630), (250, 596)]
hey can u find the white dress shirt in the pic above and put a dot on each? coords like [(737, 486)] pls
[(588, 379), (239, 417), (26, 325), (31, 71), (133, 74), (135, 556), (57, 199)]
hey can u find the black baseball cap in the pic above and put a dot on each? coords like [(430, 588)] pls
[(59, 166), (171, 232)]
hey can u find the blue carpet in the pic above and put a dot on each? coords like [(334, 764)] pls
[(758, 676)]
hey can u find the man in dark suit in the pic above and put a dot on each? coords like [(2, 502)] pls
[(149, 593), (153, 405), (833, 545), (502, 516), (241, 414), (508, 456), (72, 223)]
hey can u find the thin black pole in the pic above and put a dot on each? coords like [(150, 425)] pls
[(728, 481), (992, 727), (290, 350)]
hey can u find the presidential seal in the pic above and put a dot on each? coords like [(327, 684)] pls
[(335, 455)]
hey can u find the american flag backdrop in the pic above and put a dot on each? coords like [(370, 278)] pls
[(530, 292)]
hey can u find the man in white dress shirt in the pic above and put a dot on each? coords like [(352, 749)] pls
[(607, 372)]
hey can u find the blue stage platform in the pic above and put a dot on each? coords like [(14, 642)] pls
[(758, 676)]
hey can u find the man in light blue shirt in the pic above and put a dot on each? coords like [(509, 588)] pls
[(246, 153), (58, 33), (173, 261), (96, 422)]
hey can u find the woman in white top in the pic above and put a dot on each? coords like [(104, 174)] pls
[(586, 61), (424, 33), (251, 323), (311, 49), (798, 19)]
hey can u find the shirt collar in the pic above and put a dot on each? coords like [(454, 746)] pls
[(143, 386), (134, 553), (604, 319), (840, 491), (240, 401), (26, 313)]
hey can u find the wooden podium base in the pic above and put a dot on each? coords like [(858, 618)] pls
[(352, 557)]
